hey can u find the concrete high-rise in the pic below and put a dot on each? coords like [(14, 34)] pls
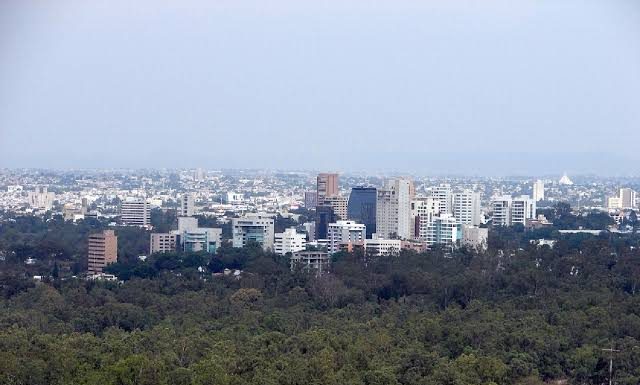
[(289, 241), (393, 209), (327, 186), (253, 228), (362, 207), (135, 212), (339, 204), (343, 233), (466, 207), (422, 211), (443, 229), (444, 195), (538, 191), (508, 211), (102, 251), (627, 198), (186, 205)]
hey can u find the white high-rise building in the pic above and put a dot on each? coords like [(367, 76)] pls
[(344, 232), (186, 206), (508, 211), (40, 198), (466, 207), (393, 209), (445, 196), (538, 191), (289, 241), (522, 208), (135, 212), (253, 228), (423, 211), (443, 229)]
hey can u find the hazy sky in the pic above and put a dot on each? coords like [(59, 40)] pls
[(431, 86)]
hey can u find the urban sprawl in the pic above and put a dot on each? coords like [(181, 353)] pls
[(307, 217)]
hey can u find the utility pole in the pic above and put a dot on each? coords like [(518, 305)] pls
[(611, 351)]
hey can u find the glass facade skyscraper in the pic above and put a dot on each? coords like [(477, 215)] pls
[(362, 207)]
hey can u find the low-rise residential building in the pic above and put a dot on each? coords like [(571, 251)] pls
[(377, 247), (475, 237), (314, 260), (162, 243)]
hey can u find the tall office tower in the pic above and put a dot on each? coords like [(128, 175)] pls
[(362, 207), (135, 213), (345, 233), (538, 191), (444, 195), (186, 205), (393, 209), (339, 205), (466, 207), (162, 243), (289, 241), (444, 229), (627, 198), (508, 211), (253, 228), (422, 211), (327, 185), (310, 199), (103, 250), (40, 198), (324, 216)]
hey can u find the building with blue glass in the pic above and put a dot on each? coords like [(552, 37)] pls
[(362, 207)]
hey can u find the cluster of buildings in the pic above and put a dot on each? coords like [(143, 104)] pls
[(377, 215), (627, 199), (383, 220), (188, 237)]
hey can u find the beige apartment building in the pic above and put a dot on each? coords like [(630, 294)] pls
[(103, 250)]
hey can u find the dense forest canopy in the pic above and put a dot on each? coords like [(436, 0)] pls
[(516, 314)]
